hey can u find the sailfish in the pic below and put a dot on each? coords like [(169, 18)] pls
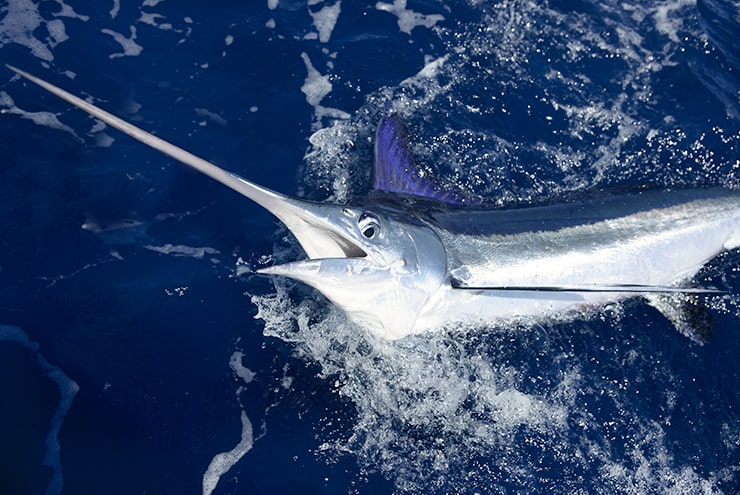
[(411, 256)]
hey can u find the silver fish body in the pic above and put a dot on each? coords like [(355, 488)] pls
[(399, 266), (542, 260)]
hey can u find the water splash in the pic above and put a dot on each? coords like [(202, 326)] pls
[(528, 102)]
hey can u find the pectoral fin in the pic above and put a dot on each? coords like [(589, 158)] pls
[(682, 306), (635, 289)]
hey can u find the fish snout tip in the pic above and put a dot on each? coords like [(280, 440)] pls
[(267, 270)]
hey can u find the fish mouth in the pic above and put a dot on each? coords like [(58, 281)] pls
[(322, 231), (332, 256), (329, 236), (318, 236), (327, 233)]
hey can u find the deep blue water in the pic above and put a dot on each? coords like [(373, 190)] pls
[(130, 355)]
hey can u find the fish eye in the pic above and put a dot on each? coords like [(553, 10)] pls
[(369, 225)]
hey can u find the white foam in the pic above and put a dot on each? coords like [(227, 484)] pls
[(272, 4), (212, 116), (429, 72), (129, 45), (430, 384), (104, 140), (67, 11), (181, 250), (152, 19), (46, 119), (316, 86), (331, 140), (21, 19), (668, 17), (241, 267), (325, 19), (407, 18), (240, 370), (649, 467), (177, 291), (221, 463), (57, 34), (427, 406), (67, 391), (115, 9)]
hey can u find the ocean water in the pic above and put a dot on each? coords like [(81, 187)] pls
[(139, 351)]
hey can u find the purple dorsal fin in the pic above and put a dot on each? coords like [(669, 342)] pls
[(395, 170)]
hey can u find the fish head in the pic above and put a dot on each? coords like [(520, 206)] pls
[(380, 267)]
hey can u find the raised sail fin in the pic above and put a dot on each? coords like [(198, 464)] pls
[(394, 167)]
